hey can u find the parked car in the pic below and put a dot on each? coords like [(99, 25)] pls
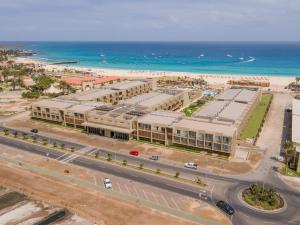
[(34, 130), (154, 157), (191, 165), (107, 183), (225, 207), (134, 152)]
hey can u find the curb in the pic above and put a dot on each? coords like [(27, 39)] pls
[(240, 198)]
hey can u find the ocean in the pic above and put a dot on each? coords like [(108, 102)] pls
[(252, 58)]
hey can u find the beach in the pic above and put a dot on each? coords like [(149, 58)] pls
[(277, 83)]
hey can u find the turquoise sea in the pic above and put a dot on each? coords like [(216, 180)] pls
[(257, 58)]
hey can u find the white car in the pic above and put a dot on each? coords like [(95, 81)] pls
[(107, 183), (191, 165)]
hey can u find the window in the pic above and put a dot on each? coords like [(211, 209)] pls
[(226, 140), (178, 132), (225, 147), (192, 134), (208, 145), (208, 137), (217, 147), (200, 143), (201, 136), (184, 140), (177, 139), (185, 133), (218, 139), (192, 142)]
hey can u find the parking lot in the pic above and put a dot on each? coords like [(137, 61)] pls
[(142, 191)]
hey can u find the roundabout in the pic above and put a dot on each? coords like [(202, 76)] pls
[(262, 199)]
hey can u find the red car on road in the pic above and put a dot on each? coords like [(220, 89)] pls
[(134, 152)]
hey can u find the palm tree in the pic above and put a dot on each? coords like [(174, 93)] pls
[(45, 141), (5, 131), (141, 166), (290, 152), (109, 156), (24, 135)]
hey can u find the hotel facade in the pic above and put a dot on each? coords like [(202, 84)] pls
[(136, 109)]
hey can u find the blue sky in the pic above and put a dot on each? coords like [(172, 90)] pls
[(150, 20)]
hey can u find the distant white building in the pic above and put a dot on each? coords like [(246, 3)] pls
[(296, 128), (52, 90)]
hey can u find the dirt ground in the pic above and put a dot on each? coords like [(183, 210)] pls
[(214, 164), (92, 205)]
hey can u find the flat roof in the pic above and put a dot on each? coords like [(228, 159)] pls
[(55, 103), (229, 94), (149, 99), (85, 107), (197, 125), (296, 122), (211, 109), (245, 95), (89, 95), (160, 117), (124, 85), (233, 111)]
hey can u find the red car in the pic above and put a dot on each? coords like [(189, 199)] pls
[(134, 152)]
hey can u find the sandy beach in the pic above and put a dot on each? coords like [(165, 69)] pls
[(277, 83)]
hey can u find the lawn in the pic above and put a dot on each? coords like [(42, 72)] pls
[(254, 123), (192, 108), (288, 172)]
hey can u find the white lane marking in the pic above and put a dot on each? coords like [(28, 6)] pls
[(119, 187), (125, 185), (144, 195), (69, 158), (95, 180), (211, 192), (176, 205), (58, 158), (166, 202), (136, 192), (155, 198)]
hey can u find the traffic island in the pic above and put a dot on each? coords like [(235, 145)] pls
[(262, 198)]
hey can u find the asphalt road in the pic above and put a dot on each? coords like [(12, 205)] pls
[(243, 216), (136, 160)]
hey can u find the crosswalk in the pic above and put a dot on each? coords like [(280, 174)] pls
[(69, 157)]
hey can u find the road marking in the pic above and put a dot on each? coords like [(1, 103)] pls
[(176, 205), (125, 185), (144, 194), (69, 158), (58, 158), (155, 197), (119, 187), (166, 202), (95, 180), (137, 194), (211, 192)]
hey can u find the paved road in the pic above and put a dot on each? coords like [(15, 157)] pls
[(293, 198), (226, 187)]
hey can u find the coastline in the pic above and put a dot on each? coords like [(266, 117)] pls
[(277, 83)]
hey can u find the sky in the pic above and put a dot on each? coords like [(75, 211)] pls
[(149, 20)]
